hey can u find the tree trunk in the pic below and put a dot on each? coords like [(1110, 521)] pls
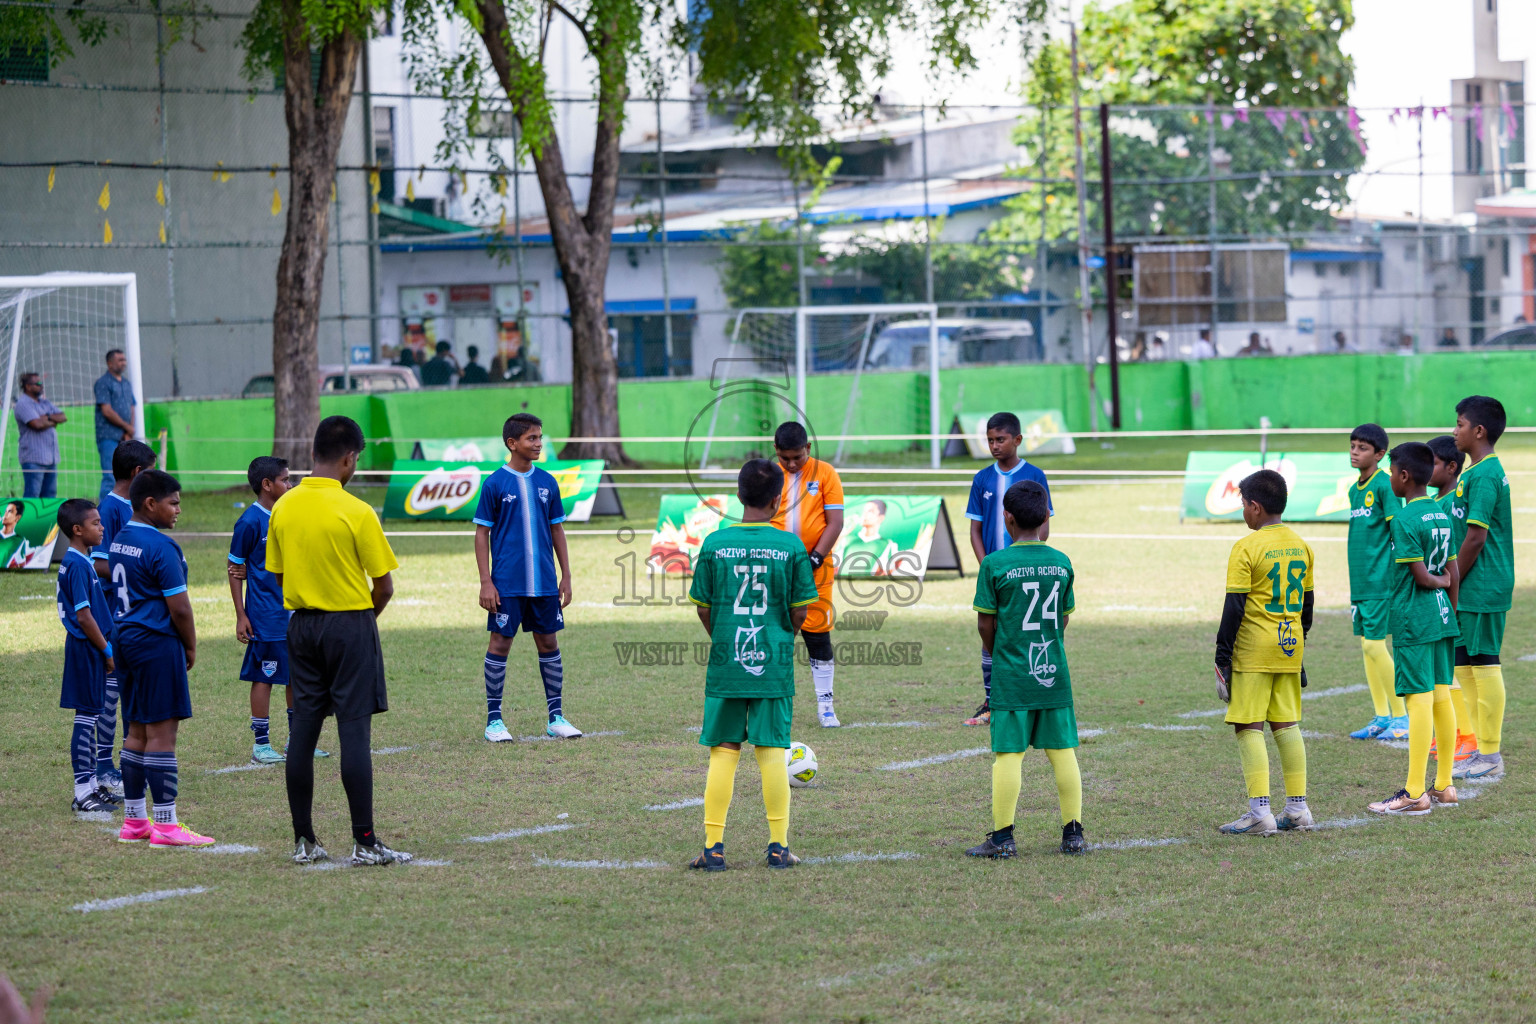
[(316, 120)]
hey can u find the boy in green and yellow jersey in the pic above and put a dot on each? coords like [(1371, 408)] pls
[(1485, 546), (1371, 505), (1259, 648), (1448, 463)]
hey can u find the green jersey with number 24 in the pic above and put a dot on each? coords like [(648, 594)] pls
[(1028, 586)]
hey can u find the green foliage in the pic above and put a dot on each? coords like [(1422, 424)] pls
[(317, 20), (45, 29), (758, 268)]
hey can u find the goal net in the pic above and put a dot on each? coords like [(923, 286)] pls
[(61, 326)]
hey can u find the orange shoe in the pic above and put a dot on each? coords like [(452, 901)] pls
[(1466, 745)]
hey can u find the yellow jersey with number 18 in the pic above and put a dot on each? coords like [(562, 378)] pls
[(1273, 566)]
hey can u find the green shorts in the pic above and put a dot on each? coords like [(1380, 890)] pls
[(1369, 618), (1014, 732), (1421, 667), (1481, 632), (760, 721)]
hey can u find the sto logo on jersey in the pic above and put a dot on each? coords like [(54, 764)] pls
[(1286, 638), (269, 668), (748, 656), (1040, 664)]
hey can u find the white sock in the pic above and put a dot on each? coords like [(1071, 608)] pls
[(821, 678), (1259, 804), (85, 789), (165, 814), (136, 808)]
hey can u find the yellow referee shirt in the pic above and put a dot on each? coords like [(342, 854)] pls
[(328, 545)]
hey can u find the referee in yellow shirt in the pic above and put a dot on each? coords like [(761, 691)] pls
[(329, 554)]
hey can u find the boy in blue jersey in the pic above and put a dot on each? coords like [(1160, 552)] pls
[(87, 649), (128, 461), (518, 537), (989, 532), (261, 622), (157, 642)]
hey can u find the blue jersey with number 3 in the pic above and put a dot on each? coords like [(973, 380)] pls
[(147, 568), (116, 510)]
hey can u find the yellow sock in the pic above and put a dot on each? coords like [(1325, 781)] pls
[(1468, 683), (770, 761), (1007, 780), (1490, 706), (1378, 675), (1069, 784), (1255, 758), (1420, 725), (1445, 735), (718, 787), (1293, 760), (1466, 725)]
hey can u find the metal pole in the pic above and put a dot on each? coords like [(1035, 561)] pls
[(661, 186), (935, 445), (853, 394), (523, 340), (1210, 171), (170, 221), (1423, 255), (1107, 201), (800, 347), (341, 296), (372, 221), (1084, 297), (927, 213), (1041, 251)]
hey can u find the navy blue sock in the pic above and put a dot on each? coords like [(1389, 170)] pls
[(133, 784), (106, 727), (160, 771), (261, 727), (495, 682), (553, 674), (82, 753), (986, 672)]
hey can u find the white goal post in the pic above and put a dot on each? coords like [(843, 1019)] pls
[(60, 325)]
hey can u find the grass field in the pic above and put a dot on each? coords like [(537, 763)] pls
[(1401, 919)]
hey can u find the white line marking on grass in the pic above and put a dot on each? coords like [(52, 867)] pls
[(586, 735), (676, 805), (382, 751), (1136, 844), (1394, 744), (923, 762), (1335, 691), (695, 729), (1088, 734), (35, 597), (1308, 734), (1226, 537), (1347, 822), (247, 767), (230, 848), (1527, 657), (562, 816), (876, 972), (611, 865), (421, 863), (1212, 713), (1174, 728), (889, 725), (144, 897), (861, 858), (346, 862), (518, 833), (1475, 788), (1177, 609), (102, 816)]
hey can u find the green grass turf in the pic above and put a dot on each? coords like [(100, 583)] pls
[(1401, 920)]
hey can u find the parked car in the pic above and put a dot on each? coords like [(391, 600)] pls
[(367, 377), (962, 342), (1516, 337)]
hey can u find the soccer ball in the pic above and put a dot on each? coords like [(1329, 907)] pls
[(801, 760)]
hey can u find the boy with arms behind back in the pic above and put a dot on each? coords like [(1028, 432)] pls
[(1371, 507), (87, 649), (753, 584), (1023, 600), (984, 509), (1259, 650), (1448, 462)]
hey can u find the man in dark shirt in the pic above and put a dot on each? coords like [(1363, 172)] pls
[(440, 369), (114, 415), (474, 373)]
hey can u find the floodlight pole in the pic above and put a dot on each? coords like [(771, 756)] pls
[(1084, 298), (1107, 201)]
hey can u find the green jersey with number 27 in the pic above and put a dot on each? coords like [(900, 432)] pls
[(1421, 532)]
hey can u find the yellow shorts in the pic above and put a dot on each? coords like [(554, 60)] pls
[(1265, 697)]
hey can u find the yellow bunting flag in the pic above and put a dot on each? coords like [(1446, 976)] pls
[(373, 182), (374, 209), (221, 174), (106, 232), (160, 192), (501, 225), (333, 191), (162, 232), (50, 178), (105, 199), (410, 189), (501, 185), (277, 203)]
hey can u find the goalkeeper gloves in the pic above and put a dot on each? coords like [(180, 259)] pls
[(1224, 684), (817, 558)]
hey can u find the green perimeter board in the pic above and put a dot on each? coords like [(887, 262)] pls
[(440, 490), (1318, 484)]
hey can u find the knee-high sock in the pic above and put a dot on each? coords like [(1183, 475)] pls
[(1445, 735), (1069, 784), (495, 681), (1007, 780), (986, 672), (553, 673), (1490, 706), (357, 774), (299, 773), (719, 784), (163, 776), (1421, 719), (821, 678), (106, 727), (1469, 688), (1466, 723), (770, 761), (82, 754), (1378, 676), (133, 784), (1293, 760), (1255, 758)]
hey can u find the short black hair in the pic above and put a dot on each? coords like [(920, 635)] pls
[(1005, 421), (27, 378), (790, 436), (1485, 412), (130, 456), (1265, 487), (1416, 458), (15, 503), (759, 482), (443, 346), (112, 352), (152, 483), (1445, 450), (1371, 434), (1028, 503), (518, 424), (72, 514), (262, 468), (473, 351), (336, 438)]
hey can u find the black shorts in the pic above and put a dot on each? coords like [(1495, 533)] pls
[(335, 665)]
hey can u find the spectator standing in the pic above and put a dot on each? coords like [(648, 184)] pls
[(474, 373), (1448, 338), (1255, 346), (1159, 351), (114, 415), (38, 443), (1341, 344), (1139, 348), (1203, 347), (441, 368)]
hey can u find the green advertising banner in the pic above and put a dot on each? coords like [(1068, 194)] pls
[(1045, 433), (29, 528), (433, 490), (883, 534), (1318, 483), (460, 449)]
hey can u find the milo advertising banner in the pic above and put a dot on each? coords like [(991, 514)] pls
[(883, 535), (462, 449), (1318, 484), (29, 529), (439, 490)]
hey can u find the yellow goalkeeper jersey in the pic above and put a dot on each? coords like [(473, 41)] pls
[(1273, 566)]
